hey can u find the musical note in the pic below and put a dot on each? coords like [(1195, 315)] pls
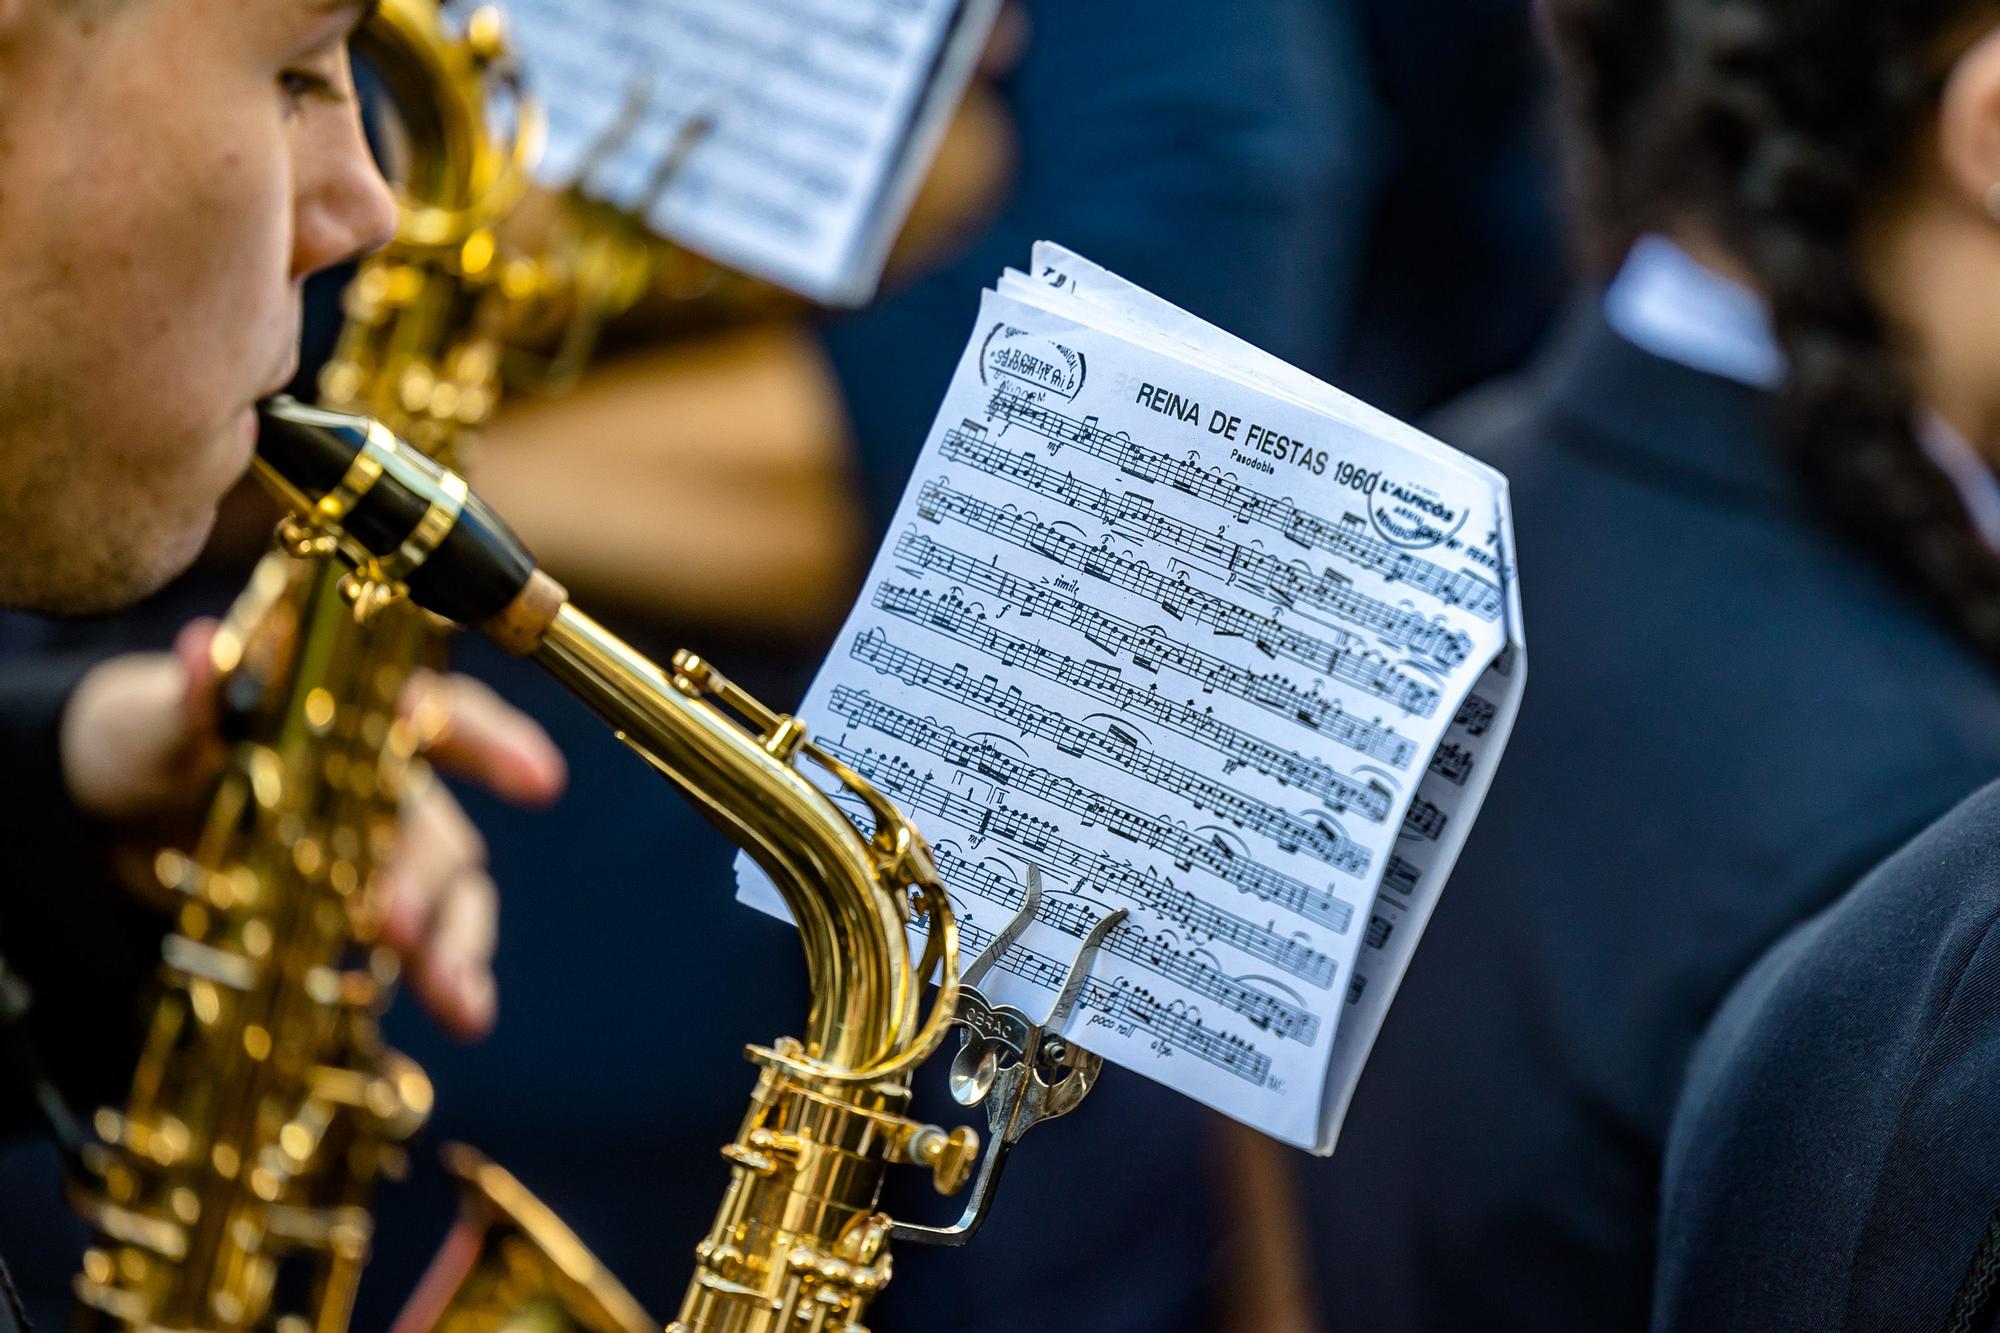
[(1475, 715), (1424, 821), (1187, 849), (949, 615), (1275, 1015), (1036, 840), (1133, 516), (1177, 1027), (1453, 763), (808, 112), (1347, 539), (1344, 661), (1237, 747), (1286, 830), (1224, 1050)]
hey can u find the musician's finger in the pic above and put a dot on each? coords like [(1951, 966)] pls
[(454, 972), (480, 736), (436, 846), (198, 700)]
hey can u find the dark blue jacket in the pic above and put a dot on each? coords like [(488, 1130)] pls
[(1835, 1162), (78, 941), (1463, 264), (1731, 717)]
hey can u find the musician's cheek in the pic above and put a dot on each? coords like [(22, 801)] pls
[(145, 247)]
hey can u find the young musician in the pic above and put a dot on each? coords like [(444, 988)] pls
[(170, 172), (1833, 1163), (1753, 519)]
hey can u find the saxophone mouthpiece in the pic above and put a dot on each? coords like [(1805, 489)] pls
[(401, 518)]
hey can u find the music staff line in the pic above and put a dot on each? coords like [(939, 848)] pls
[(950, 616), (1479, 596), (1285, 830), (1038, 840), (1281, 581), (1238, 748), (1150, 650), (1074, 918), (1180, 600), (1225, 1050)]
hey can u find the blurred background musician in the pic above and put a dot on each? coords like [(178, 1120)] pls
[(1459, 258), (1763, 654), (1840, 1110), (169, 175)]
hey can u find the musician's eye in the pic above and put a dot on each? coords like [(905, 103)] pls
[(300, 85)]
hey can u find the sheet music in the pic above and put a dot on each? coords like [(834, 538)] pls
[(1457, 779), (1199, 637), (820, 118)]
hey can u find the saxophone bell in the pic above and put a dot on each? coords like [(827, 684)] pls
[(511, 1263)]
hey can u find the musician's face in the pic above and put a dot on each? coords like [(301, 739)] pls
[(170, 171)]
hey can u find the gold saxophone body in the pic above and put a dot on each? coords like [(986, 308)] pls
[(232, 1190), (799, 1244)]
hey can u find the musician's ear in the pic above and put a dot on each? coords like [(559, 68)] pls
[(1969, 126)]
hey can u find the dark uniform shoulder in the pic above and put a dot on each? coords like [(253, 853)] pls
[(1832, 1163)]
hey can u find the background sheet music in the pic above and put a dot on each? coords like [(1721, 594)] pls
[(821, 117), (1200, 637)]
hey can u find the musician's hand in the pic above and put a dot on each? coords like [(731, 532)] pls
[(139, 747), (443, 913)]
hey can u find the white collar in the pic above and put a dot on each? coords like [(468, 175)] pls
[(1666, 302), (1971, 474)]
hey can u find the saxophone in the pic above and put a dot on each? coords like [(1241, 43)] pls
[(799, 1244), (232, 1189)]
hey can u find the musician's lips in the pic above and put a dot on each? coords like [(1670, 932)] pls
[(280, 382), (247, 424)]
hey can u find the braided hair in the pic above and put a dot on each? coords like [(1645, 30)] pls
[(1780, 126)]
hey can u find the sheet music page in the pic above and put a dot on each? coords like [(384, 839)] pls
[(1460, 772), (820, 115), (1192, 634)]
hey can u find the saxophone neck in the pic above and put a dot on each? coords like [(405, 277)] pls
[(852, 896)]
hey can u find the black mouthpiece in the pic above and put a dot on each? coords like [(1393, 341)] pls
[(468, 570)]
